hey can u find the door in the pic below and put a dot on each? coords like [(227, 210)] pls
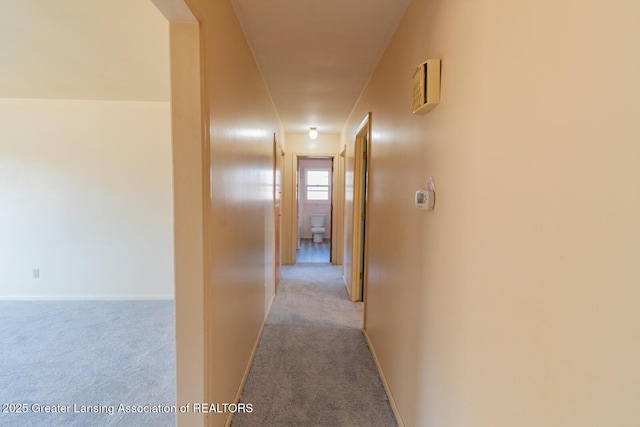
[(363, 214), (360, 183), (277, 209), (298, 218)]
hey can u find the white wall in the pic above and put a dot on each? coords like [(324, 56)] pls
[(86, 199), (515, 302)]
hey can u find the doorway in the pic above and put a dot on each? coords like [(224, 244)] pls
[(314, 210), (278, 154), (360, 191)]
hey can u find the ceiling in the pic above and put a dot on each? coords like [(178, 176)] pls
[(316, 56)]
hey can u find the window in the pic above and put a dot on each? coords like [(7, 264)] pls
[(318, 187)]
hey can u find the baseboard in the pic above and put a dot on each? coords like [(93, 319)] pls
[(268, 309), (253, 355), (392, 401), (344, 282), (91, 298)]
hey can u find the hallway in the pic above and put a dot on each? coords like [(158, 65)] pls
[(313, 366)]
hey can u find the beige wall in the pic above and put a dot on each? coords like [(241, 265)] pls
[(301, 145), (349, 138), (190, 184), (86, 199), (515, 301), (110, 50), (240, 121)]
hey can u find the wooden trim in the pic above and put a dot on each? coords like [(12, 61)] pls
[(294, 212), (359, 293), (278, 191), (356, 254), (190, 215), (207, 213), (248, 368), (385, 384)]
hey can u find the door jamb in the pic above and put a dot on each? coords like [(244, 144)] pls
[(294, 235), (358, 292)]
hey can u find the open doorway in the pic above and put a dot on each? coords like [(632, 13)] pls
[(314, 195), (278, 154)]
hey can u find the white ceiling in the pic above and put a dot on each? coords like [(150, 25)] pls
[(317, 55)]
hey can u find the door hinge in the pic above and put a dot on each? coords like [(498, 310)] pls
[(364, 155), (362, 216), (361, 275)]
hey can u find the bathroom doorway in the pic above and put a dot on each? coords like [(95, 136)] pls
[(314, 209)]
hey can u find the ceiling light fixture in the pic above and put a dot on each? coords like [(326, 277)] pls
[(313, 133)]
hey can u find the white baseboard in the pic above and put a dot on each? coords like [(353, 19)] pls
[(90, 298), (392, 401)]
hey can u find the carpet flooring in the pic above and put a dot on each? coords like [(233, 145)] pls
[(312, 366), (88, 358)]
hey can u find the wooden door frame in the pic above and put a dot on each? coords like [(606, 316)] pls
[(278, 160), (360, 207), (294, 235)]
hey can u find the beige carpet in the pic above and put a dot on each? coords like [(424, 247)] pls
[(313, 366)]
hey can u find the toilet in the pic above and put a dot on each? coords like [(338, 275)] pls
[(317, 227)]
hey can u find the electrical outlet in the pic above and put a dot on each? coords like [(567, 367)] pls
[(36, 273)]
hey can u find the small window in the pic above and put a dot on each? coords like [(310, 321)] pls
[(318, 187)]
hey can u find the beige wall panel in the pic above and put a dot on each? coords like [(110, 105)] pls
[(347, 218), (515, 301), (189, 183), (338, 210), (241, 123)]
